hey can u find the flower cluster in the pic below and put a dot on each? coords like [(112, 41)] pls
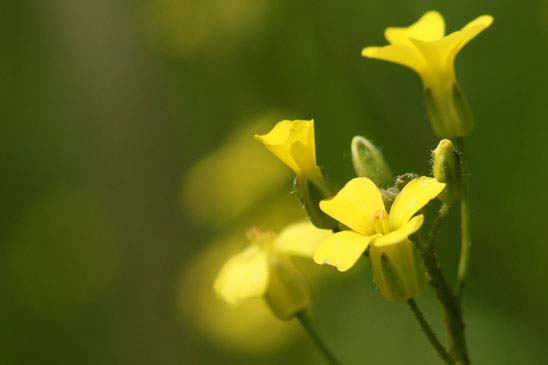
[(372, 216)]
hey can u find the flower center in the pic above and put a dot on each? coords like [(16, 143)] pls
[(262, 238), (380, 222)]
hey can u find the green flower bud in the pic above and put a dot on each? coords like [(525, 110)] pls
[(449, 112), (446, 169), (390, 194), (403, 180), (288, 292), (397, 270), (369, 162)]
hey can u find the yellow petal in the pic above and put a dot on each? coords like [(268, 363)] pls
[(300, 239), (243, 276), (400, 234), (355, 204), (290, 137), (304, 156), (407, 56), (415, 195), (437, 53), (342, 249), (470, 31), (429, 27), (443, 52)]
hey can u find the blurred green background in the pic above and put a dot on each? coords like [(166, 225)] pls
[(130, 175)]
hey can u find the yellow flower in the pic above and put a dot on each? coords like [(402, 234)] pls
[(426, 49), (292, 141), (359, 206), (264, 269)]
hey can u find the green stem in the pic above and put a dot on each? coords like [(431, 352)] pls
[(429, 333), (465, 220), (451, 305), (305, 321)]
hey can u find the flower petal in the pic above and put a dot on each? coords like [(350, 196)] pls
[(304, 157), (400, 234), (465, 35), (442, 53), (300, 239), (415, 195), (245, 275), (355, 204), (437, 53), (284, 136), (429, 27), (472, 29), (407, 56), (450, 46), (342, 249)]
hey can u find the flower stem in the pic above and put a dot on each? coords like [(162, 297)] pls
[(465, 220), (305, 321), (442, 352), (451, 305)]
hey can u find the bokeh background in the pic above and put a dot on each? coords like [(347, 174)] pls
[(130, 174)]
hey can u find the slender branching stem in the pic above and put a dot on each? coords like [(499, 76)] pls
[(306, 323), (451, 305), (436, 344)]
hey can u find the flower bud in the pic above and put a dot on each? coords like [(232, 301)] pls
[(288, 292), (397, 270), (446, 169), (369, 162), (448, 111)]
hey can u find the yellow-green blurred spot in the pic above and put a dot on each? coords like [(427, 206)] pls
[(233, 178), (187, 27)]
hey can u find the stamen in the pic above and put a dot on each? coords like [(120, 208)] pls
[(260, 237), (380, 222)]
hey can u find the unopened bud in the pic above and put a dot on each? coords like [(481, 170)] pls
[(288, 292), (369, 162), (390, 194), (446, 169), (403, 180)]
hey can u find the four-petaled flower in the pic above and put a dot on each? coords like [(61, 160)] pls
[(426, 49), (264, 269), (360, 207)]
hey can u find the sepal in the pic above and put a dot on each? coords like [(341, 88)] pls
[(448, 111), (310, 197), (397, 270), (288, 292)]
